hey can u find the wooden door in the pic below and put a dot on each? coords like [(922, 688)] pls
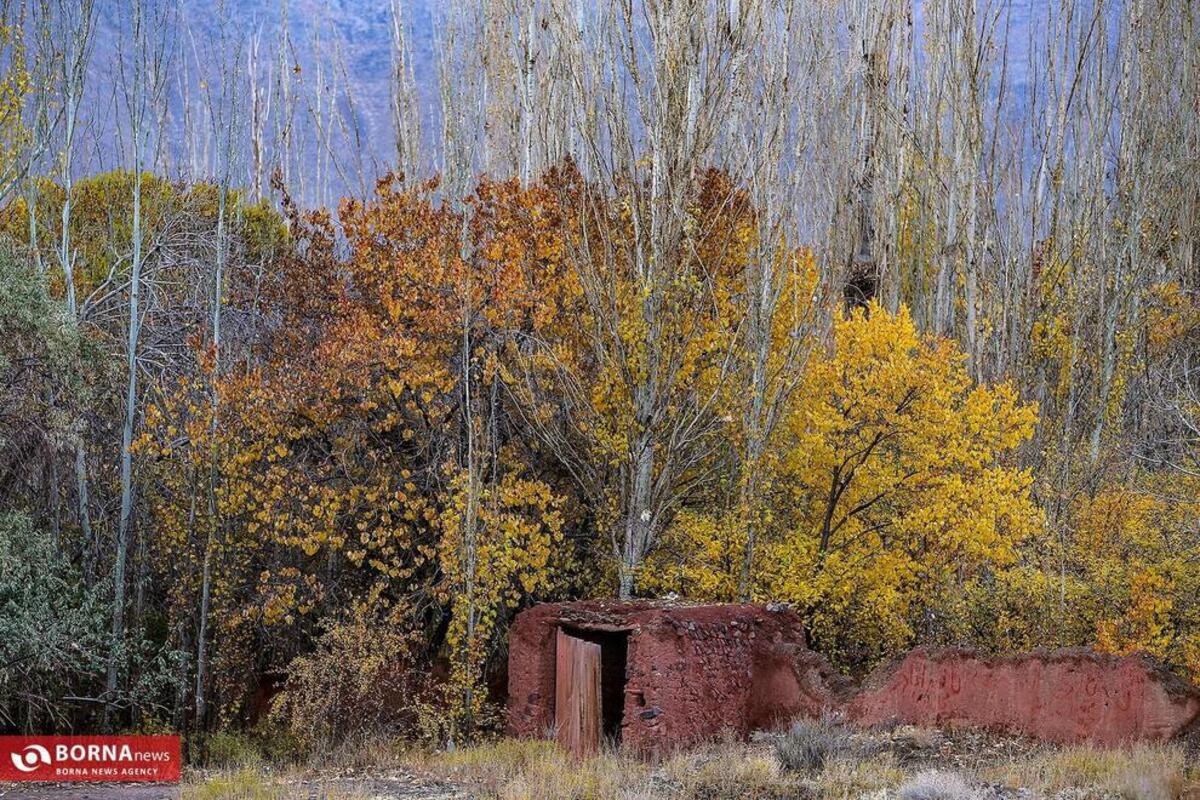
[(577, 694)]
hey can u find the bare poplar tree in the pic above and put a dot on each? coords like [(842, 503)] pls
[(405, 102), (226, 113), (26, 58), (258, 89), (141, 73), (768, 134), (463, 93), (76, 25), (650, 95), (285, 87)]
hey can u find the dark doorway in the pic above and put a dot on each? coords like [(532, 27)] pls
[(614, 653)]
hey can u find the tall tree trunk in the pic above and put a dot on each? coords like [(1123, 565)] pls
[(638, 518), (74, 71), (213, 468), (131, 398), (470, 520)]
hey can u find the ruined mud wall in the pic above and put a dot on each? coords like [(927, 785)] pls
[(692, 671), (696, 671), (531, 671), (1059, 696)]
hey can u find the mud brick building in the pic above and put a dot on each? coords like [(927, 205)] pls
[(654, 677)]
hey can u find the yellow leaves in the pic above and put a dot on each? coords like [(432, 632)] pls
[(15, 84), (364, 671), (1144, 624), (1171, 315), (697, 558), (906, 475), (506, 539), (892, 474), (1133, 548), (497, 546)]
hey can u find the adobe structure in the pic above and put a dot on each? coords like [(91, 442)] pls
[(655, 677), (1063, 696), (668, 675)]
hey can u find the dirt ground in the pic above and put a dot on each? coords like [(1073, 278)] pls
[(391, 786), (85, 791), (900, 764)]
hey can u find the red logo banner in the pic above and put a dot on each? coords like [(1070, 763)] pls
[(151, 759)]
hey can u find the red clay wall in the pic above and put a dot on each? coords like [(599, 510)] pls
[(696, 672), (1060, 696), (693, 671), (531, 671)]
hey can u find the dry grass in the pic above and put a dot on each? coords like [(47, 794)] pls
[(854, 778), (729, 769), (1144, 772), (491, 764), (532, 770), (524, 770), (241, 784), (935, 785), (809, 744), (508, 769), (511, 770), (726, 770)]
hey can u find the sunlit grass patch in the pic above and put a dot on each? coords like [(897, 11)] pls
[(603, 777), (228, 750), (729, 769), (489, 763), (853, 778), (1142, 772), (248, 783)]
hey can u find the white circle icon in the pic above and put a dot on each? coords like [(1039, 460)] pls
[(29, 759)]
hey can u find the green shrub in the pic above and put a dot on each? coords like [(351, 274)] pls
[(52, 629)]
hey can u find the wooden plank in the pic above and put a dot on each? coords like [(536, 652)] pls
[(577, 694), (564, 678), (587, 659)]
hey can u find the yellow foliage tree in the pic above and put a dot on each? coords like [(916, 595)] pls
[(361, 450), (15, 85), (519, 523), (893, 488), (1133, 552)]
